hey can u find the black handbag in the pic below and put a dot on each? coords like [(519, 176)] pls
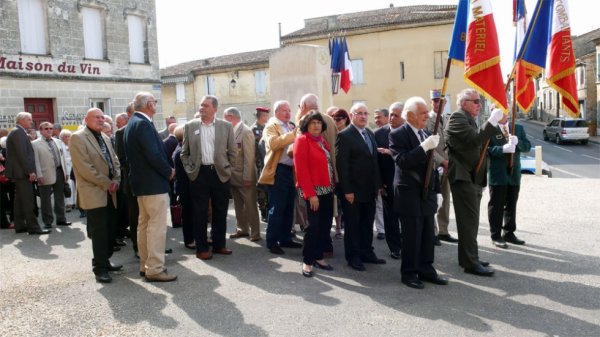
[(67, 190)]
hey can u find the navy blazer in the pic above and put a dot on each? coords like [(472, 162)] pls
[(386, 162), (20, 158), (149, 168), (358, 169), (411, 165)]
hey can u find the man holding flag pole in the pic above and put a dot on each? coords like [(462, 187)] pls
[(475, 44)]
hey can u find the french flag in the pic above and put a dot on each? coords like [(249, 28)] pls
[(547, 44), (482, 54), (346, 68)]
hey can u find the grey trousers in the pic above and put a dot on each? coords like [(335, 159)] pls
[(46, 191)]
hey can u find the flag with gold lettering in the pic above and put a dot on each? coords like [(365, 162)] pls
[(548, 45), (482, 54), (524, 87)]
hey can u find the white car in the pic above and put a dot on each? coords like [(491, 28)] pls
[(528, 166), (563, 130)]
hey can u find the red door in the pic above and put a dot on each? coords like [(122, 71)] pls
[(40, 109)]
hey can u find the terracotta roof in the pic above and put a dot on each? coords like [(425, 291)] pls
[(376, 19), (584, 44), (216, 63)]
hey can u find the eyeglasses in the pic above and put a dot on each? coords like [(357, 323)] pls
[(361, 113), (47, 128), (475, 101), (337, 119)]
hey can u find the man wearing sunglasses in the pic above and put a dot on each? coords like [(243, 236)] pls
[(465, 141)]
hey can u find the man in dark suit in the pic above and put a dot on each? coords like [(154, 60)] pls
[(164, 133), (98, 175), (416, 207), (386, 170), (359, 183), (170, 146), (207, 152), (465, 142), (149, 177), (20, 166), (505, 182)]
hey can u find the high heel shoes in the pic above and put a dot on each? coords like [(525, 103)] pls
[(323, 266)]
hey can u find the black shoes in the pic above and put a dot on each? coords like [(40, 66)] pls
[(63, 223), (103, 277), (307, 273), (357, 266), (500, 243), (480, 270), (115, 267), (374, 260), (436, 241), (40, 232), (323, 266), (380, 236), (512, 238), (484, 263), (442, 281), (395, 255), (276, 250), (415, 284), (447, 238), (290, 244), (48, 226)]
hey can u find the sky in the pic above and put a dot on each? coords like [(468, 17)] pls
[(193, 29)]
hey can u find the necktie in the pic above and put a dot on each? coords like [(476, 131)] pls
[(367, 140), (504, 129), (421, 136), (53, 151), (106, 154)]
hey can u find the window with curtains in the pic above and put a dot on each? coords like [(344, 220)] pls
[(138, 43), (260, 79), (180, 92), (209, 85), (357, 71), (440, 58), (93, 33), (33, 26)]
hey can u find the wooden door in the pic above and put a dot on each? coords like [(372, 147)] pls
[(41, 110)]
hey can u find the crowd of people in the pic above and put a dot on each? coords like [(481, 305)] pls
[(314, 168)]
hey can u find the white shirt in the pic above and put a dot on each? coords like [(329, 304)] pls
[(285, 159), (416, 131), (207, 142)]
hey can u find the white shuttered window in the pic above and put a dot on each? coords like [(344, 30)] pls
[(93, 33), (180, 92), (33, 26), (260, 77), (137, 39)]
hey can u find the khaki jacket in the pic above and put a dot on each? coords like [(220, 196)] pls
[(244, 165), (44, 161), (92, 170), (275, 142)]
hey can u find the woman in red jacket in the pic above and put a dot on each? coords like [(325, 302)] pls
[(314, 181)]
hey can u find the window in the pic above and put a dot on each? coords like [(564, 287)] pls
[(549, 100), (580, 76), (357, 71), (260, 82), (137, 39), (102, 104), (180, 92), (33, 26), (598, 68), (440, 58), (93, 33), (209, 85), (402, 71)]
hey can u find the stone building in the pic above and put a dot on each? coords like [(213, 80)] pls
[(59, 58), (396, 53)]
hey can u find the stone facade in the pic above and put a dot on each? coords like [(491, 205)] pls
[(64, 76)]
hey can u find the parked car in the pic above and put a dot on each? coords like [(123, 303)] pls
[(563, 130), (528, 166)]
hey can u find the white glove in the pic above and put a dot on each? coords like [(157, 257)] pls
[(508, 148), (440, 199), (495, 116), (513, 140), (431, 142)]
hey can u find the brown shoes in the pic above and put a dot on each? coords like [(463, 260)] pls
[(204, 255), (238, 235), (222, 251), (161, 277), (254, 239)]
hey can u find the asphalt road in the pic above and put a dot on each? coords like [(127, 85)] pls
[(549, 287), (571, 160)]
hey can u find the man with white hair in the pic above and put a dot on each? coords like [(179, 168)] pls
[(20, 167), (467, 174), (359, 184), (415, 203)]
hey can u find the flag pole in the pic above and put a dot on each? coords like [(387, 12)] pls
[(438, 117), (511, 157)]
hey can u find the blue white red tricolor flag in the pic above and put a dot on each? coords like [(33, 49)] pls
[(341, 65), (475, 43), (547, 44)]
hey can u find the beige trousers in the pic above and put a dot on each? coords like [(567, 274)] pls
[(152, 232), (246, 211)]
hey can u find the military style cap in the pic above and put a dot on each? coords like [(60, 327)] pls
[(262, 108), (435, 93)]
